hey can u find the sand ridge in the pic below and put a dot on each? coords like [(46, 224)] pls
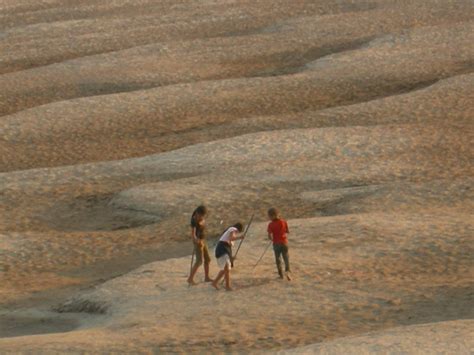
[(136, 121)]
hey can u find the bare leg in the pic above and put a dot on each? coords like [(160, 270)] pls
[(193, 272), (217, 279), (227, 278), (199, 256), (206, 273)]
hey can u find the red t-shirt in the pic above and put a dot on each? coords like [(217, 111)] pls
[(278, 228)]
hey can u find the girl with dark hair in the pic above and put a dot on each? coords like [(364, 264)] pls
[(201, 251), (224, 254)]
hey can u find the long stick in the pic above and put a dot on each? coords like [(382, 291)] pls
[(268, 246), (245, 233)]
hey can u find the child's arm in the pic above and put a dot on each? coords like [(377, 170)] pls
[(233, 236), (193, 234), (194, 237)]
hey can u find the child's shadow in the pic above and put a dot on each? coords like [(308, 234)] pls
[(252, 282)]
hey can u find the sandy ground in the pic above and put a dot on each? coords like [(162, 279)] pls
[(352, 117), (455, 337)]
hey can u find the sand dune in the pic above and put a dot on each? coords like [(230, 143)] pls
[(137, 121), (270, 51), (99, 28), (353, 117)]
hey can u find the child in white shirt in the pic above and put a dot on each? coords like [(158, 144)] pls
[(224, 254)]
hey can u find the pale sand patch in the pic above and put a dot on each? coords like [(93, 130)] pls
[(235, 177), (453, 337), (352, 274)]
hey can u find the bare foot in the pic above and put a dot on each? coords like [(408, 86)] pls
[(229, 289), (215, 285), (288, 277), (208, 279), (191, 282)]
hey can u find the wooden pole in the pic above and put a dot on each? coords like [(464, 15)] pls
[(245, 233), (263, 254)]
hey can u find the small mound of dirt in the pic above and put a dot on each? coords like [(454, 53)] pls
[(82, 306)]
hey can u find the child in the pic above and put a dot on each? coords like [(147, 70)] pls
[(198, 235), (224, 254), (277, 232)]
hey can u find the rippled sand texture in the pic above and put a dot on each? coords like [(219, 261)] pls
[(355, 118)]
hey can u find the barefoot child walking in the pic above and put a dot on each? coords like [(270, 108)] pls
[(277, 232), (201, 251), (224, 254)]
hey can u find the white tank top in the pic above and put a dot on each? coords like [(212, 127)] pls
[(226, 236)]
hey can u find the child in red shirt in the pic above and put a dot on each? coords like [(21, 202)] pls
[(277, 232)]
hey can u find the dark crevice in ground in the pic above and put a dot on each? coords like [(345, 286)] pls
[(21, 325), (295, 62)]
